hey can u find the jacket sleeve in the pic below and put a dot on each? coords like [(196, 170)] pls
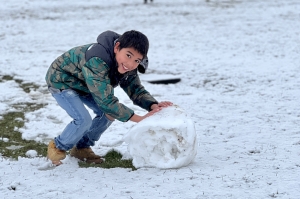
[(95, 72), (137, 93)]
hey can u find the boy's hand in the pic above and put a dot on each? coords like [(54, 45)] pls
[(154, 108), (137, 118), (152, 112), (161, 104)]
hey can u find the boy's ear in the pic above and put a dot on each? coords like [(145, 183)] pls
[(116, 47)]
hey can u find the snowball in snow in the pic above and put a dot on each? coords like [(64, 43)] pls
[(31, 153), (5, 139), (165, 140)]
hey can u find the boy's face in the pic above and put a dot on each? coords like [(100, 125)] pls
[(127, 58)]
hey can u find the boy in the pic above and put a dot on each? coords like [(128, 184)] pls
[(87, 75)]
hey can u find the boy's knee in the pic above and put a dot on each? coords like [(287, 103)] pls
[(88, 122), (84, 121)]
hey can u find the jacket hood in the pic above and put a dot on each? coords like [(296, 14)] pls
[(105, 49)]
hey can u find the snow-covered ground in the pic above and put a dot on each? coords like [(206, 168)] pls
[(239, 63)]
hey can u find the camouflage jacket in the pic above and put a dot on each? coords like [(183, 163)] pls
[(92, 69)]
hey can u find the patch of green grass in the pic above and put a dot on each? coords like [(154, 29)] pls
[(28, 107), (113, 159), (27, 86), (7, 77), (16, 146), (11, 143)]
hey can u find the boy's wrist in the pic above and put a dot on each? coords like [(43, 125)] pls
[(136, 118), (154, 106)]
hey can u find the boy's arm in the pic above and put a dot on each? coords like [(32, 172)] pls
[(138, 118), (137, 93), (154, 108)]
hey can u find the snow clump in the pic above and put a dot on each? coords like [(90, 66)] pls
[(31, 153), (165, 140)]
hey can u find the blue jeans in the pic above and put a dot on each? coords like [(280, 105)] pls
[(83, 131)]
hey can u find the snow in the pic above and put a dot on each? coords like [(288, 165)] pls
[(239, 65), (31, 153), (166, 140), (4, 139)]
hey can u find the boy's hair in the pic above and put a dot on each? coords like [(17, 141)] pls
[(134, 39)]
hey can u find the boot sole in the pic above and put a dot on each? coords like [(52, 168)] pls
[(57, 163)]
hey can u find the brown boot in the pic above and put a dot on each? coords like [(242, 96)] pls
[(55, 154), (86, 154)]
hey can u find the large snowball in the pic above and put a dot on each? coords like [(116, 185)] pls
[(165, 140)]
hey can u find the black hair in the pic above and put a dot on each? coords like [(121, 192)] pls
[(134, 39)]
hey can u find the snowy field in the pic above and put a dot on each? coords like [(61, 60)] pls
[(239, 63)]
